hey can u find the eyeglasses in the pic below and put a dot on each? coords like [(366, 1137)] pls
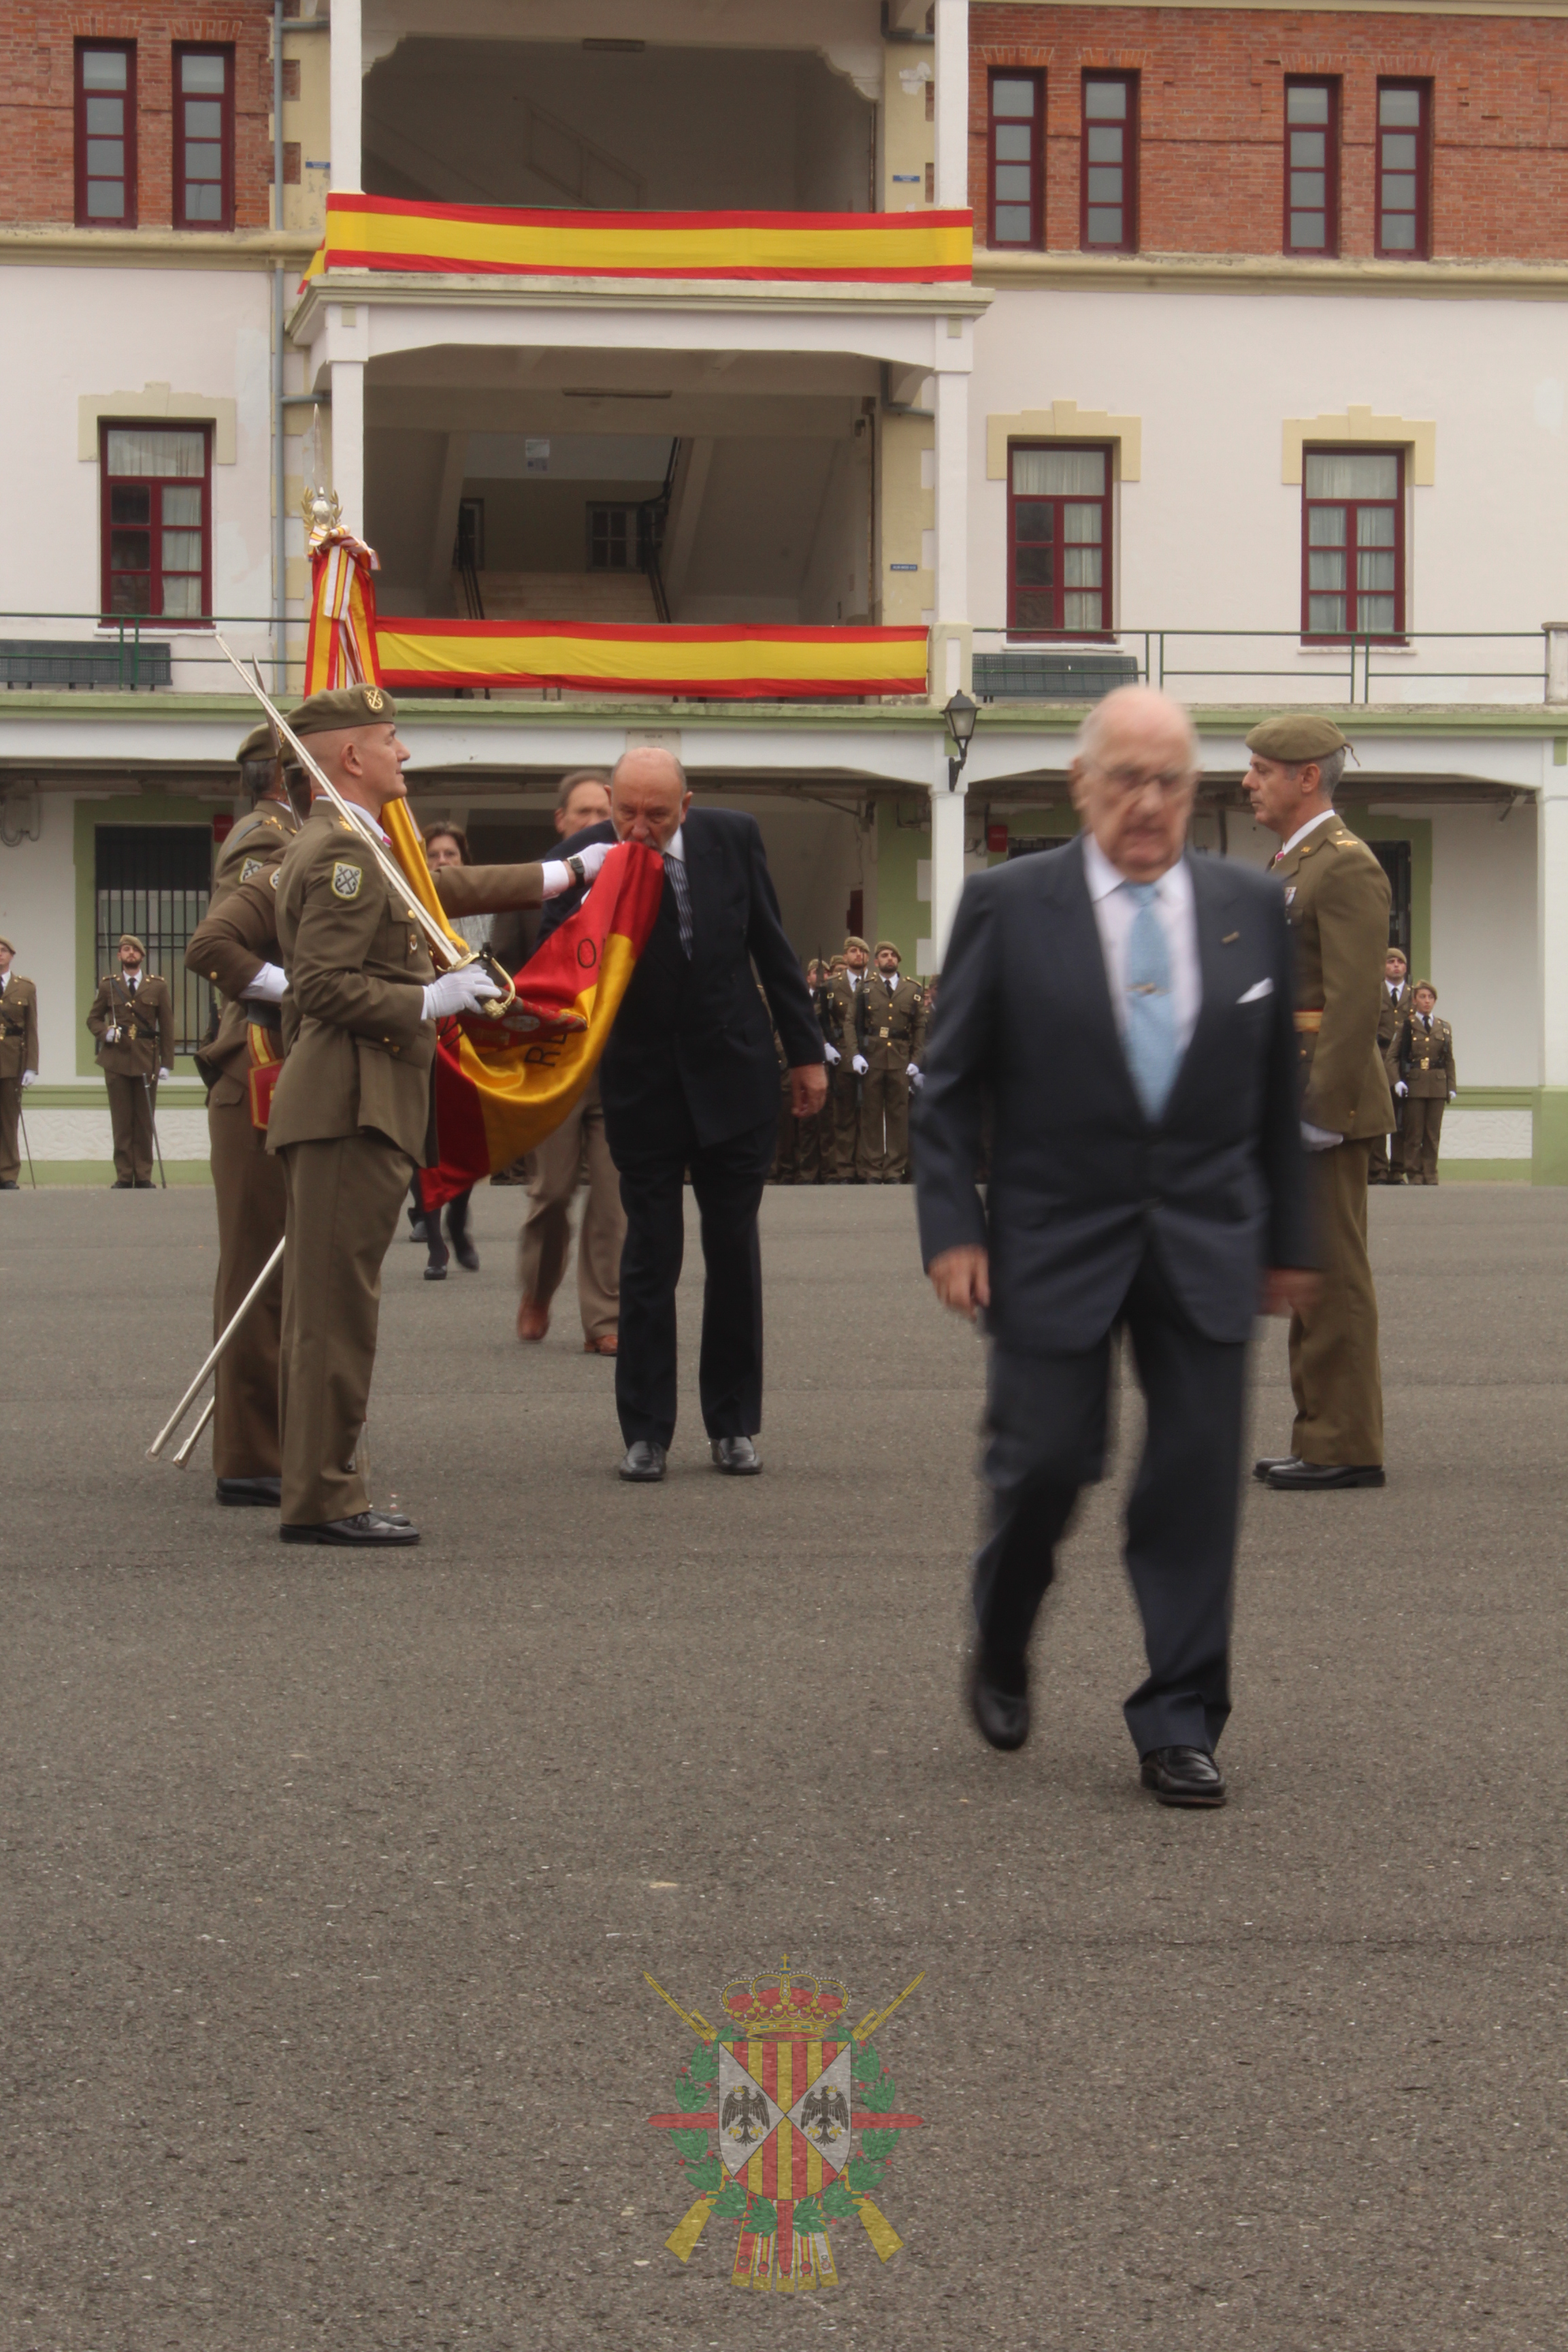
[(1127, 782)]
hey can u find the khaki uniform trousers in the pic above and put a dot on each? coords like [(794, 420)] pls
[(10, 1116), (131, 1117), (577, 1146), (1334, 1374), (1422, 1128), (884, 1125), (811, 1144), (344, 1194), (841, 1143), (1382, 1166), (251, 1199)]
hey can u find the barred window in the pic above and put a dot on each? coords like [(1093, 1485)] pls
[(155, 880)]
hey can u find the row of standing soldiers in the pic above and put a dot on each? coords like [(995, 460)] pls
[(874, 1024), (1418, 1049)]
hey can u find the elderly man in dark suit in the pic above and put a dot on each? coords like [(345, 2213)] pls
[(689, 1081), (1125, 1011)]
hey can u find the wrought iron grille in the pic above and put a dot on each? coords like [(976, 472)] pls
[(155, 880)]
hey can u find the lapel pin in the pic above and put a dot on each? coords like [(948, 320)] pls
[(1230, 938)]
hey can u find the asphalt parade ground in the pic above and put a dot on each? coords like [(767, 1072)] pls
[(331, 1881)]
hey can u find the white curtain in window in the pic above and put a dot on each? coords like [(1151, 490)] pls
[(1059, 473), (144, 450), (1353, 474)]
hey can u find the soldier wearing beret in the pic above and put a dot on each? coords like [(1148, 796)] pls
[(247, 1182), (1422, 1057), (1337, 899), (843, 1032), (18, 1058), (352, 1111), (133, 1018), (894, 1034), (1392, 1005)]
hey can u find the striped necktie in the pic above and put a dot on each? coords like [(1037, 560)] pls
[(675, 869)]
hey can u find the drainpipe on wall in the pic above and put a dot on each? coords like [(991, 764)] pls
[(279, 600)]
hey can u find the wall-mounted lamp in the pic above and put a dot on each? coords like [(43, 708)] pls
[(961, 715)]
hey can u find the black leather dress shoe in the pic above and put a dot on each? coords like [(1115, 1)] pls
[(643, 1462), (8, 1187), (1002, 1714), (463, 1248), (262, 1494), (1314, 1477), (1271, 1461), (1183, 1775), (145, 1184), (122, 1184), (363, 1527), (736, 1457)]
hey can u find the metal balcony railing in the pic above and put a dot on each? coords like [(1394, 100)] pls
[(123, 653), (1424, 667)]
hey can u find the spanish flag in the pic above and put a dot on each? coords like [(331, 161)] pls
[(500, 1091)]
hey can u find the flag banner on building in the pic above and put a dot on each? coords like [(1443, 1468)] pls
[(499, 1093), (760, 661), (491, 240)]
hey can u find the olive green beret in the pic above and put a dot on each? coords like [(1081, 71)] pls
[(1299, 735), (1425, 984), (853, 942), (257, 744), (343, 706), (129, 940), (892, 947), (8, 945)]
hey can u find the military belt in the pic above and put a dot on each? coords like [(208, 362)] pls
[(1309, 1022)]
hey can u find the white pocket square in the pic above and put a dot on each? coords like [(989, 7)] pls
[(1260, 988)]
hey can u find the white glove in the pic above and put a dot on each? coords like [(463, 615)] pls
[(913, 1071), (859, 1066), (1452, 1098), (1401, 1088), (917, 1076), (112, 1034), (559, 877), (268, 985), (30, 1078), (832, 1054), (165, 1073), (1319, 1138), (458, 991)]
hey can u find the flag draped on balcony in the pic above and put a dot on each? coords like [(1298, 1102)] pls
[(384, 233), (502, 1087), (714, 661)]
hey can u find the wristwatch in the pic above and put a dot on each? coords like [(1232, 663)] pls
[(575, 868)]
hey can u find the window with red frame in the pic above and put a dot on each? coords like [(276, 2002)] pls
[(106, 134), (1352, 543), (1058, 539), (1312, 167), (1018, 158), (1404, 169), (1110, 164), (157, 520), (203, 138)]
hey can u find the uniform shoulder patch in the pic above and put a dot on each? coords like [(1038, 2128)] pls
[(346, 880), (252, 865)]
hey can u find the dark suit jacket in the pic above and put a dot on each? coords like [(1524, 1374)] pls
[(692, 1033), (1080, 1181)]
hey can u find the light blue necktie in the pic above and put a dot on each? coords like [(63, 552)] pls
[(1150, 1035)]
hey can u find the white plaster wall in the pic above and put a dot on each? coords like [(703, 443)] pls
[(69, 331), (38, 914), (87, 1134), (1486, 1134), (1211, 537), (1484, 962)]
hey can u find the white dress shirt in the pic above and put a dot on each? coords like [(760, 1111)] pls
[(1303, 830), (675, 846), (1115, 912)]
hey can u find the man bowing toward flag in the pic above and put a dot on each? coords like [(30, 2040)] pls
[(689, 1081)]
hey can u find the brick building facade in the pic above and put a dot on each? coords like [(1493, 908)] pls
[(39, 105), (1210, 96)]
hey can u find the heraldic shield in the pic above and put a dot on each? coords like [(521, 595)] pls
[(785, 2126)]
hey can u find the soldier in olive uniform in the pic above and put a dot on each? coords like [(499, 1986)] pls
[(1393, 1006), (894, 1034), (18, 1058), (1426, 1082), (1337, 897), (133, 1018), (843, 1032)]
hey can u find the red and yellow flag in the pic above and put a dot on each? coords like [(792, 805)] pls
[(499, 1093)]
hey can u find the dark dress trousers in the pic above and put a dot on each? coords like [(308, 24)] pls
[(689, 1081), (1097, 1219)]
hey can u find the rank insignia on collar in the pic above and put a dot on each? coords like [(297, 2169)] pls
[(786, 2124), (346, 880)]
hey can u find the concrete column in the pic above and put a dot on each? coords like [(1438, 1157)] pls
[(1550, 1160), (348, 442), (952, 104), (347, 85), (1556, 634), (947, 814)]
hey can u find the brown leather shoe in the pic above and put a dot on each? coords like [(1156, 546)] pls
[(608, 1346), (533, 1320)]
